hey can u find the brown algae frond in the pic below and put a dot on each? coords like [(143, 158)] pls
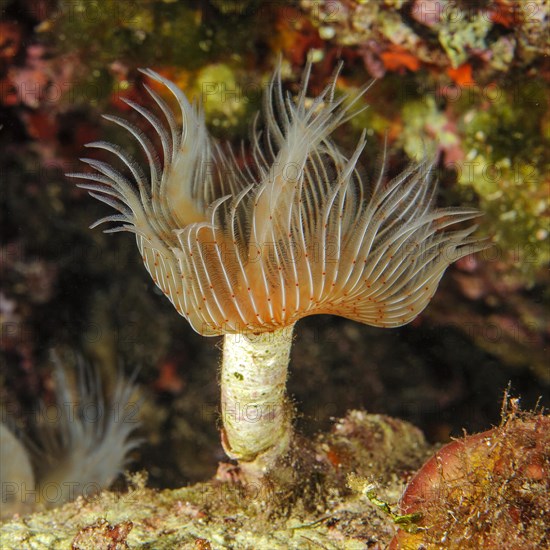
[(247, 252)]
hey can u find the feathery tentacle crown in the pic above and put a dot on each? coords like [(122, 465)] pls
[(296, 234)]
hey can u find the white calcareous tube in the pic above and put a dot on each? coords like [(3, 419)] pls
[(256, 415)]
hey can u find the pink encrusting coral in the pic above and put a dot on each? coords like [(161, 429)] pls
[(299, 233)]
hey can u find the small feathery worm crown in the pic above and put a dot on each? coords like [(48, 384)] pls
[(298, 233)]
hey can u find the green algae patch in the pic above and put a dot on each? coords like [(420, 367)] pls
[(506, 163)]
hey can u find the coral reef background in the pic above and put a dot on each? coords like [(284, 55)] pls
[(471, 77)]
